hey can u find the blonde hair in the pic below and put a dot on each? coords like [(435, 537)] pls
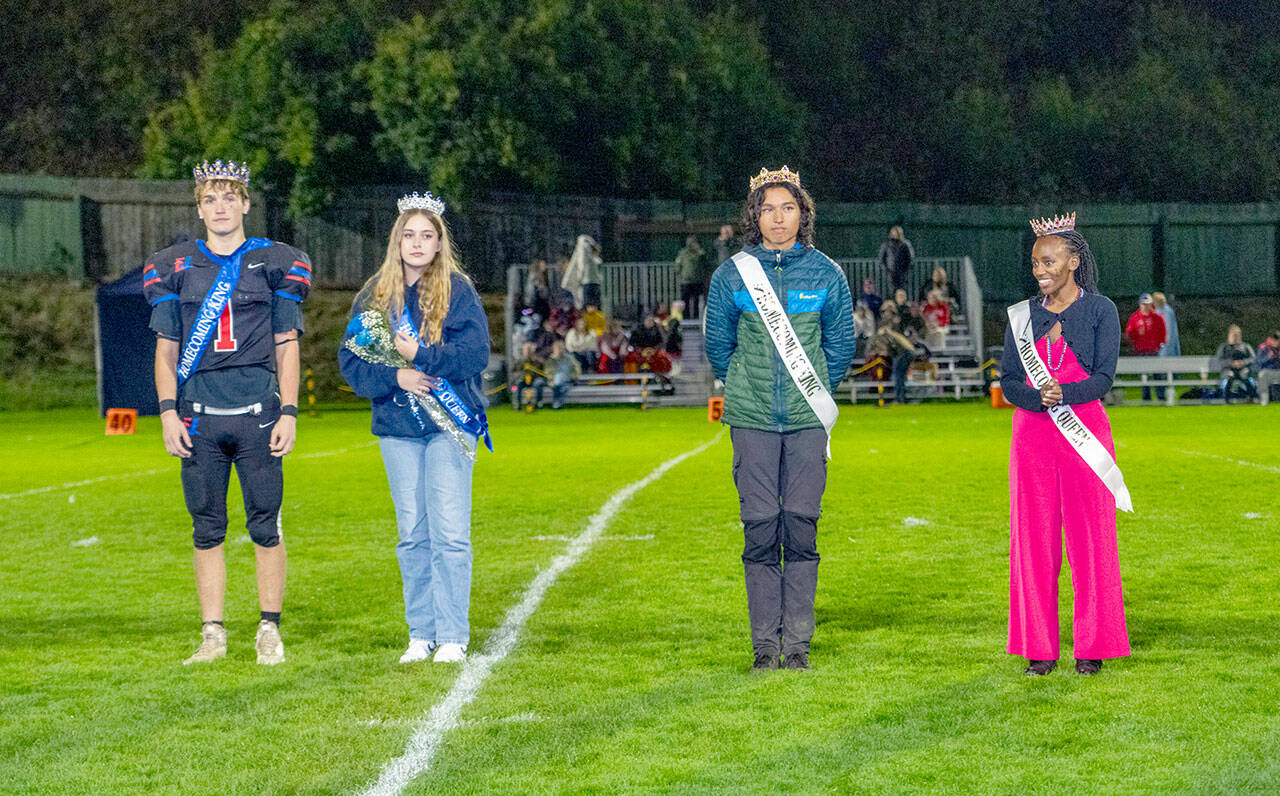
[(1158, 299), (235, 186), (385, 289)]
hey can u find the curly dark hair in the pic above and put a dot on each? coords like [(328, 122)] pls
[(751, 213)]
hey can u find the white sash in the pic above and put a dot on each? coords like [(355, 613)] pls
[(1074, 431), (788, 344)]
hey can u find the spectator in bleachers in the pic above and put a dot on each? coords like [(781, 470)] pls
[(691, 276), (940, 283), (563, 314), (937, 319), (647, 348), (1234, 361), (594, 319), (864, 327), (901, 304), (559, 369), (1268, 366), (543, 341), (526, 327), (537, 292), (725, 245), (583, 272), (1146, 333), (674, 345), (614, 348), (563, 369), (583, 344), (871, 298), (900, 349), (907, 318), (896, 256), (1172, 345)]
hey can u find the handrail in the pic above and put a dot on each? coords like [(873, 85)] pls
[(626, 288)]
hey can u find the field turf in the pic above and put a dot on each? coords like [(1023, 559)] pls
[(632, 676)]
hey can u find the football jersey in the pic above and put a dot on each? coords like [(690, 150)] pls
[(238, 364)]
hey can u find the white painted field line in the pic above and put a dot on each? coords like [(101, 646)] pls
[(73, 484), (443, 717), (1269, 468), (142, 473)]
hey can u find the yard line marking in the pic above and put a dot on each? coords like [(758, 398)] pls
[(1269, 468), (73, 484), (337, 452), (443, 717), (141, 473)]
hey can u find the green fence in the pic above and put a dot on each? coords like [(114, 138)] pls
[(102, 228)]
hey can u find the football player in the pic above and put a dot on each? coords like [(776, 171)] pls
[(227, 315)]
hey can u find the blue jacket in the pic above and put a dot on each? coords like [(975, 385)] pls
[(461, 356), (758, 391), (1091, 327)]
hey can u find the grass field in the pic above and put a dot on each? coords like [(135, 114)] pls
[(632, 676)]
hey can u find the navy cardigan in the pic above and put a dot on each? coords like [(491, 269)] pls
[(461, 356), (1091, 327)]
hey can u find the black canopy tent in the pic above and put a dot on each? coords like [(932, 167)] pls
[(124, 346)]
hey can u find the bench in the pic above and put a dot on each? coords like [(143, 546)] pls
[(952, 380), (1167, 372), (592, 388), (612, 388)]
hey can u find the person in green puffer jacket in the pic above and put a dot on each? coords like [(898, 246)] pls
[(779, 444)]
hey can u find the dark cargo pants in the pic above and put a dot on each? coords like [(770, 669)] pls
[(780, 478)]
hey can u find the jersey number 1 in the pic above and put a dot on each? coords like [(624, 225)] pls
[(226, 340)]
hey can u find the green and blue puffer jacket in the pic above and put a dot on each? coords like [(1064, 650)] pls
[(758, 391)]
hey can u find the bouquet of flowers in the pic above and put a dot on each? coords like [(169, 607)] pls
[(370, 337)]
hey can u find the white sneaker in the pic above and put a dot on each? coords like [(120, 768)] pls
[(268, 644), (213, 644), (419, 650), (451, 653)]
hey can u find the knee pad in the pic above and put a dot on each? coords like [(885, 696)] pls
[(799, 537), (763, 541)]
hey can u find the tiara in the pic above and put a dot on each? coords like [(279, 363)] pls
[(415, 201), (220, 171), (784, 174), (1048, 226)]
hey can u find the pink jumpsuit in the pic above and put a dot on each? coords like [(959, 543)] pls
[(1052, 490)]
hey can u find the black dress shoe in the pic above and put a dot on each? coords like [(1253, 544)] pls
[(1040, 667), (765, 661), (1088, 666)]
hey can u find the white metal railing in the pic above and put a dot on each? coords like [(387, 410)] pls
[(627, 289)]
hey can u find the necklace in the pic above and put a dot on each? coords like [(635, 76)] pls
[(1044, 302), (1062, 355)]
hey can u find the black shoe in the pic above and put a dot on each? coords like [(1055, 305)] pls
[(1040, 668), (764, 661), (1088, 666), (795, 660)]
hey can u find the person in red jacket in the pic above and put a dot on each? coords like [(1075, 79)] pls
[(1146, 333)]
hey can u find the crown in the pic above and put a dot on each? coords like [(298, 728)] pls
[(220, 171), (784, 174), (415, 201), (1048, 226)]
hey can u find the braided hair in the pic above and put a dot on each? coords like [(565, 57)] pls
[(1087, 271)]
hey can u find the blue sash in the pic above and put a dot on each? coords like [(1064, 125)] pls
[(215, 302), (475, 425)]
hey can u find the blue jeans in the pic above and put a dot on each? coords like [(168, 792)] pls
[(431, 487)]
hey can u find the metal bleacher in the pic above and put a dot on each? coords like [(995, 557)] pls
[(629, 287)]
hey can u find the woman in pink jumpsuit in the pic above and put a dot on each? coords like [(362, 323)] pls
[(1052, 490)]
